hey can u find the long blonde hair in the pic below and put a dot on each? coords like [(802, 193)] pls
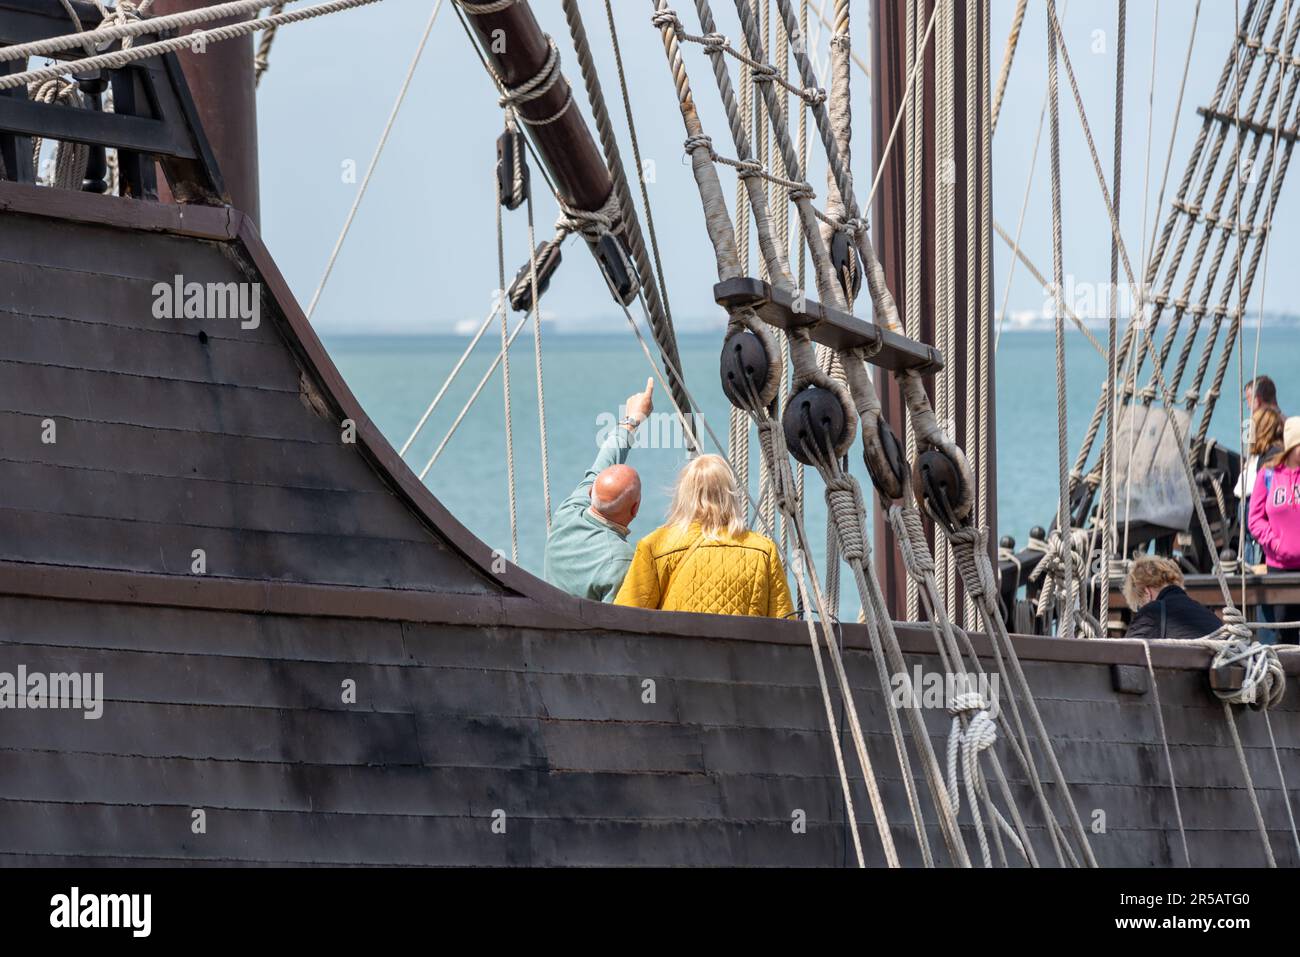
[(1266, 429), (706, 492)]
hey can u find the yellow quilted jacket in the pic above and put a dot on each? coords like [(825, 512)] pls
[(727, 576)]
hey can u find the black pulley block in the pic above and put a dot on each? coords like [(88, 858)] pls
[(744, 369), (512, 169), (938, 487), (814, 422), (521, 290), (612, 257), (844, 258), (888, 475)]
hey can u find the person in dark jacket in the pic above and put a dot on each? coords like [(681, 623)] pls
[(1154, 590)]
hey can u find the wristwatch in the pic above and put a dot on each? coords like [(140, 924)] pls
[(629, 422)]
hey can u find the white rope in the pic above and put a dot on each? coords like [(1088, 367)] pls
[(374, 158), (190, 41), (507, 412), (980, 734), (451, 376), (1169, 760), (118, 24), (537, 357), (437, 453)]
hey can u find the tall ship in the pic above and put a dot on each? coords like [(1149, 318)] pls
[(288, 651)]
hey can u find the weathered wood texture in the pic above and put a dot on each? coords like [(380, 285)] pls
[(176, 434), (243, 716), (476, 693)]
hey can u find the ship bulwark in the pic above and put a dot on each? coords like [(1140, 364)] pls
[(286, 651)]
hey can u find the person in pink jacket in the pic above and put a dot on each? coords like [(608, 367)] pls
[(1275, 523)]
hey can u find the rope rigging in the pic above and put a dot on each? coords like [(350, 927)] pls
[(858, 400)]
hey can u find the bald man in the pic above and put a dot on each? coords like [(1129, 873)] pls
[(587, 551)]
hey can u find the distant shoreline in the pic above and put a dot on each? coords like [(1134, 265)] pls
[(619, 329)]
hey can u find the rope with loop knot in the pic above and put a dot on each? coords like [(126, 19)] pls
[(592, 224), (120, 15), (667, 17), (980, 734), (1264, 683)]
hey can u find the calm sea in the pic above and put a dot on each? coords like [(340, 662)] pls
[(588, 376)]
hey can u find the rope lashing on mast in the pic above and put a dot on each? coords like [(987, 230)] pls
[(195, 40), (535, 87)]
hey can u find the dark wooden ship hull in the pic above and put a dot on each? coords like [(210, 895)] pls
[(481, 699)]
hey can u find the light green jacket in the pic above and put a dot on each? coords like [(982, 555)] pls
[(586, 556)]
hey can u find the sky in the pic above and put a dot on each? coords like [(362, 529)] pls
[(421, 254)]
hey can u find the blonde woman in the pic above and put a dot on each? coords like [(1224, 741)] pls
[(1154, 590), (703, 559)]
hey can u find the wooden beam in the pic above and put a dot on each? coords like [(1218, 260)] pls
[(826, 325)]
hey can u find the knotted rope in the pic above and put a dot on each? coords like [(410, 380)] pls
[(1264, 683), (979, 734), (591, 224), (537, 86), (67, 168), (1063, 570)]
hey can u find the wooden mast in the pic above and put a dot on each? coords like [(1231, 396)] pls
[(515, 45), (889, 224)]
